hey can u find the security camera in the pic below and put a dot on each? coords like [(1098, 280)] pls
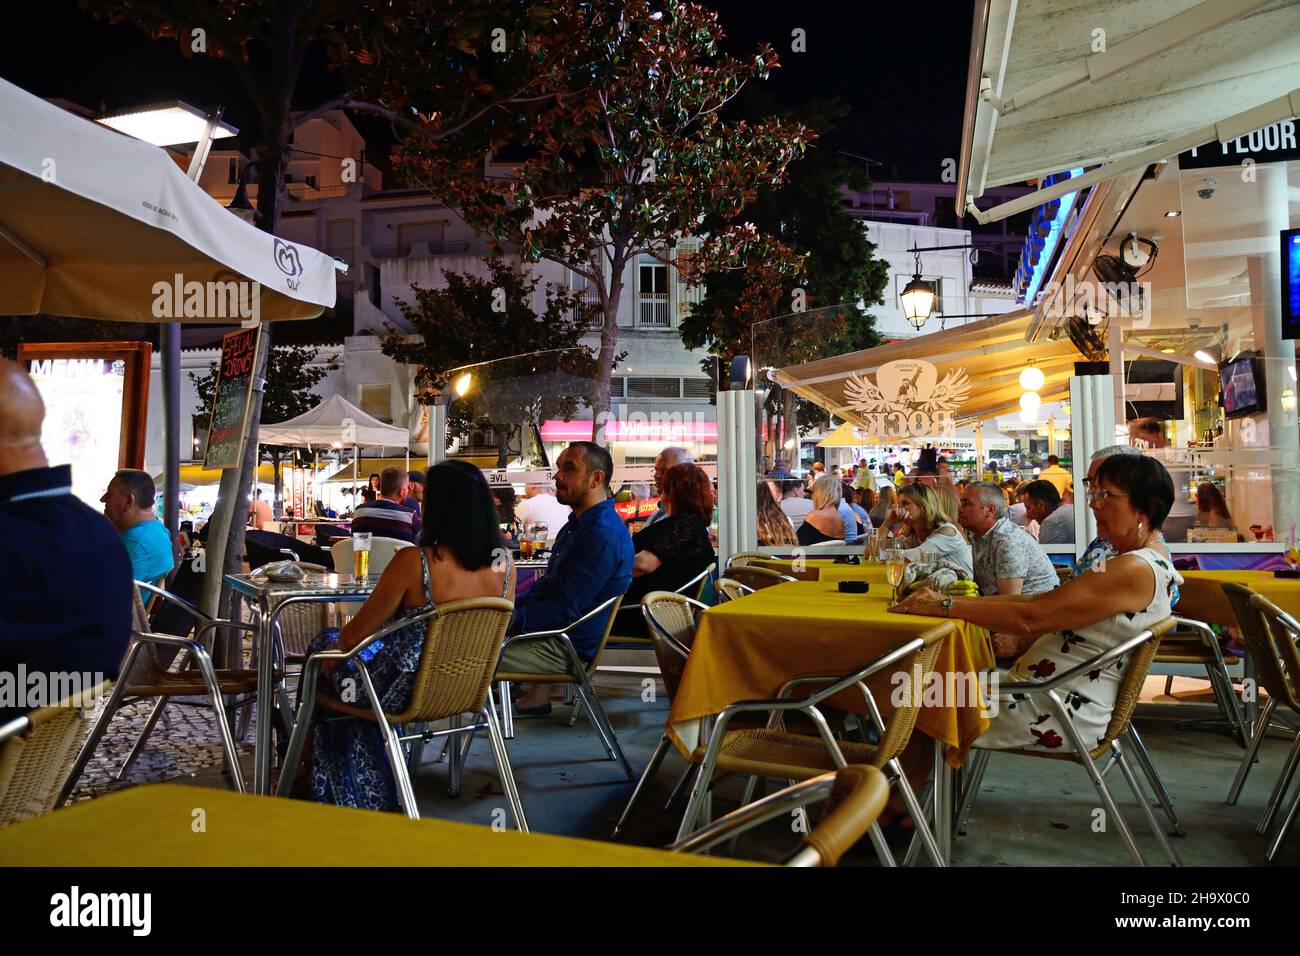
[(1207, 189)]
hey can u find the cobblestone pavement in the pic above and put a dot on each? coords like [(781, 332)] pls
[(184, 743)]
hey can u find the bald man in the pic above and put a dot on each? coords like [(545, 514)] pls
[(65, 579)]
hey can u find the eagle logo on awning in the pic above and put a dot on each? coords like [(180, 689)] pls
[(907, 399)]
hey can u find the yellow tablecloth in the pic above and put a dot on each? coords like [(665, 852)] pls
[(1203, 599), (825, 569), (749, 648), (155, 826)]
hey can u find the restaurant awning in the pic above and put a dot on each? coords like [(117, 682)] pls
[(373, 466), (196, 475), (334, 420), (992, 353), (1116, 85)]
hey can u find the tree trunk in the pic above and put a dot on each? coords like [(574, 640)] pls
[(605, 367)]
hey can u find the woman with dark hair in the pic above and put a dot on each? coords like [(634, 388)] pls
[(1084, 617), (370, 494), (460, 556), (1211, 509), (774, 528), (674, 549), (505, 498)]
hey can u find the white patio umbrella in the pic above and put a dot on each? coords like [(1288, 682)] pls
[(97, 224)]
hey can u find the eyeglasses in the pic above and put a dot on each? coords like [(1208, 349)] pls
[(1104, 496)]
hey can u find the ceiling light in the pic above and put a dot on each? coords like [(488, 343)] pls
[(1204, 356), (165, 124), (1173, 214), (1032, 377), (1030, 403)]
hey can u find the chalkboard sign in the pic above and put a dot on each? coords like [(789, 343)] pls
[(230, 399)]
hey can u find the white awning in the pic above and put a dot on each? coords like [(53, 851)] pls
[(1117, 85), (334, 420)]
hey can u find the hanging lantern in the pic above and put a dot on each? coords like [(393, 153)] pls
[(1032, 377), (1030, 402)]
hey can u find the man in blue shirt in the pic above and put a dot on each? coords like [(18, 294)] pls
[(65, 581), (591, 561), (128, 504)]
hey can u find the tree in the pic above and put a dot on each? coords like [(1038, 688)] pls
[(628, 156), (449, 46), (290, 378), (823, 307), (484, 320)]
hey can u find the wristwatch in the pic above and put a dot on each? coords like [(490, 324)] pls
[(946, 604)]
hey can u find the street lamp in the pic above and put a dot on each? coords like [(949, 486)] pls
[(917, 298)]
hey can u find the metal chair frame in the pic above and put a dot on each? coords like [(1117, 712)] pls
[(1287, 628), (200, 658), (1221, 686), (777, 707), (398, 760), (580, 678), (1082, 753), (694, 589), (757, 575)]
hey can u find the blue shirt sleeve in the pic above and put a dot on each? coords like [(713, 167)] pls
[(583, 582)]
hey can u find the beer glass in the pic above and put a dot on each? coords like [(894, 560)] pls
[(539, 533), (895, 565), (360, 557)]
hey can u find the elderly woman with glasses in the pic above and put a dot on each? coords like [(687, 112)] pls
[(1131, 591)]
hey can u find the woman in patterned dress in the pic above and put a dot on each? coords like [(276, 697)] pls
[(460, 556), (1084, 617)]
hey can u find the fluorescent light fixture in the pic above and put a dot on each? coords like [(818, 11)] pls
[(165, 124), (1204, 356), (1173, 214)]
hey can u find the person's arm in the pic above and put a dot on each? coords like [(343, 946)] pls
[(1010, 586), (1126, 588), (383, 602), (574, 592), (645, 562)]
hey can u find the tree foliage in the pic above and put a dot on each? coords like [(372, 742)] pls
[(486, 319), (629, 154)]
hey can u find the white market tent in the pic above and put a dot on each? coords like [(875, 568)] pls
[(1117, 85), (92, 219), (336, 420)]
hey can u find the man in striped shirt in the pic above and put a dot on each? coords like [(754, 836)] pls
[(386, 516)]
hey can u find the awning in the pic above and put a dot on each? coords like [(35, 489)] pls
[(991, 353), (1119, 85), (373, 466), (196, 475), (664, 432), (334, 420)]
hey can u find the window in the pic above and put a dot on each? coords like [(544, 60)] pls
[(652, 296), (900, 283), (586, 290), (653, 387), (687, 295), (232, 176), (697, 388), (310, 181), (377, 400)]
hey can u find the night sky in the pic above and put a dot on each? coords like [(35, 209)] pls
[(901, 68)]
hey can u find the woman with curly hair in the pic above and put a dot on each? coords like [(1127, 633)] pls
[(674, 549)]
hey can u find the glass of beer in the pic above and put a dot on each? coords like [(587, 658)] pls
[(539, 533), (895, 565), (360, 557), (525, 547)]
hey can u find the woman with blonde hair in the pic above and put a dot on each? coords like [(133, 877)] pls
[(774, 527), (823, 523), (922, 522)]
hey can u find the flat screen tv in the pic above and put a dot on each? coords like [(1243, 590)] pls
[(1291, 284), (1242, 384)]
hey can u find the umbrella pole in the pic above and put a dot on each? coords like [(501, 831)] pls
[(170, 340)]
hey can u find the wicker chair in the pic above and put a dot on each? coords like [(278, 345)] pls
[(856, 796), (578, 675), (744, 558), (671, 620), (37, 751), (772, 751), (756, 578), (453, 678), (381, 552), (144, 675), (694, 589), (729, 590), (1271, 636), (1139, 652)]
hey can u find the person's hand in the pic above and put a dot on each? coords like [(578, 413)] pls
[(921, 601)]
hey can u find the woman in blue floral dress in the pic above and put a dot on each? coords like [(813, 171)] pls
[(460, 556)]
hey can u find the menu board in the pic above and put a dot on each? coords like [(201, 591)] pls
[(230, 399), (96, 401)]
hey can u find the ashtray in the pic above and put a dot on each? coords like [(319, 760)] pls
[(1286, 573), (854, 587)]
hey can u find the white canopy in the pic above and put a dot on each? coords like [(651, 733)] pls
[(92, 220), (1056, 86), (328, 423)]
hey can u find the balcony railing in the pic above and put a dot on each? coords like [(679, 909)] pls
[(420, 249), (652, 311)]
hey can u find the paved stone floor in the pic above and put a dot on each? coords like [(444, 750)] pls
[(1031, 812)]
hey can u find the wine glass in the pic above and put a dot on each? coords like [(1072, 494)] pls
[(895, 566)]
